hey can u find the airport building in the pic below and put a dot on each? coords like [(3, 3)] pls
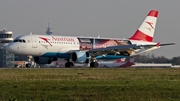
[(6, 58), (48, 30)]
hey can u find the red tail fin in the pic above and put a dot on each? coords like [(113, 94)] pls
[(146, 30), (130, 62), (120, 60)]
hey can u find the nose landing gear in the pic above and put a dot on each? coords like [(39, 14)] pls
[(29, 64)]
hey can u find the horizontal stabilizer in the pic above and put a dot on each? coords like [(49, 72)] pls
[(158, 44), (167, 44)]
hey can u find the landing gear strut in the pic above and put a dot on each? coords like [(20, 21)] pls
[(94, 63), (29, 61)]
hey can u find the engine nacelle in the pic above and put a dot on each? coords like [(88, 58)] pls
[(80, 57), (44, 60)]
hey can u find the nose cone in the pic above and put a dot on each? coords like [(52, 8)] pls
[(9, 47)]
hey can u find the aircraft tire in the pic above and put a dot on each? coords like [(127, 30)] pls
[(94, 64), (28, 65), (69, 64)]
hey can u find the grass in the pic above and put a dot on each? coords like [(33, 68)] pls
[(85, 84)]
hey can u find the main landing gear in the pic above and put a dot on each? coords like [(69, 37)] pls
[(94, 64), (69, 64)]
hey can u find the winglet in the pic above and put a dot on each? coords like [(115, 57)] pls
[(158, 44)]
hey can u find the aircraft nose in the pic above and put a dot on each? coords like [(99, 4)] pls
[(10, 48)]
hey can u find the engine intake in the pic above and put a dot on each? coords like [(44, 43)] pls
[(80, 57)]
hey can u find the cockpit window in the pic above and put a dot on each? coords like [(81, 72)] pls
[(23, 41), (15, 40), (20, 40)]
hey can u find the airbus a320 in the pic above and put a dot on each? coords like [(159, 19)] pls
[(85, 50)]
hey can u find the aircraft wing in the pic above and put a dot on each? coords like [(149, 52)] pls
[(120, 48), (112, 49), (116, 49)]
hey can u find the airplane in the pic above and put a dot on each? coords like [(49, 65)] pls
[(85, 50), (119, 63)]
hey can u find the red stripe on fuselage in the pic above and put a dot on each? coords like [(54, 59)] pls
[(45, 39), (141, 36)]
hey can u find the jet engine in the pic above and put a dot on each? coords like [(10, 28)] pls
[(44, 60), (80, 57)]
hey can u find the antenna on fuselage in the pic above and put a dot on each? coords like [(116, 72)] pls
[(98, 36), (30, 33)]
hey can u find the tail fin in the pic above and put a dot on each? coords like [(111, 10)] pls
[(147, 28), (129, 62)]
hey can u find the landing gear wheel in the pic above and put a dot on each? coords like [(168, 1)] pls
[(28, 65), (94, 64), (69, 64)]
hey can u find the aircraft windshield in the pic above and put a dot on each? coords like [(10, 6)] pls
[(20, 40)]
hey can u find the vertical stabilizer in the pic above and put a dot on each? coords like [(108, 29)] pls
[(147, 28), (120, 60), (129, 62)]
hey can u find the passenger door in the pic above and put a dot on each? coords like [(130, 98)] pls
[(34, 42)]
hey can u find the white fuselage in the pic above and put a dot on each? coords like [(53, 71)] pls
[(60, 46), (43, 45)]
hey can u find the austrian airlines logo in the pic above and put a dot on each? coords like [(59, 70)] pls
[(45, 39), (150, 24)]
